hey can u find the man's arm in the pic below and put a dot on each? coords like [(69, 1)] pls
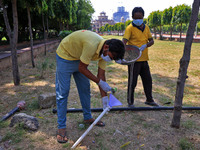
[(101, 75), (84, 70), (151, 42), (124, 41)]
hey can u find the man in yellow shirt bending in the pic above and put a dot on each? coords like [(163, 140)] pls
[(138, 34), (74, 54)]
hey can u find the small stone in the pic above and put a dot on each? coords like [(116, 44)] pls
[(81, 126), (47, 100), (29, 122)]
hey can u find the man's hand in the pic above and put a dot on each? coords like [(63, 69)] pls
[(104, 86), (143, 47), (105, 102), (120, 61)]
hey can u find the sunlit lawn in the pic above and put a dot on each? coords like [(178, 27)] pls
[(164, 64)]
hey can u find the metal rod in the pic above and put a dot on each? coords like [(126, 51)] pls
[(73, 110), (90, 128)]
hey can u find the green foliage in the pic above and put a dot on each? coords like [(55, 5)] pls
[(127, 22), (188, 124), (181, 14), (15, 136), (43, 66), (4, 124), (102, 29), (167, 16), (64, 33), (34, 105), (154, 19), (84, 14), (184, 144)]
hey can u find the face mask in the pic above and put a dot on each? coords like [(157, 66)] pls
[(138, 22), (106, 58)]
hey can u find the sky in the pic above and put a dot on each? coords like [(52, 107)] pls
[(110, 6)]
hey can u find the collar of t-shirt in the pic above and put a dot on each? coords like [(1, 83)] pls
[(139, 27)]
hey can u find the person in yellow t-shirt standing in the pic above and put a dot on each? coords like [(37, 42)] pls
[(138, 34), (73, 55)]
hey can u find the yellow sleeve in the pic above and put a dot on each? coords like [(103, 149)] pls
[(127, 33), (102, 64)]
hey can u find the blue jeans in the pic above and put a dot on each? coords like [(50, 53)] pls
[(64, 70)]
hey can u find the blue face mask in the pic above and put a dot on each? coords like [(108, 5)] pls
[(138, 22), (106, 58)]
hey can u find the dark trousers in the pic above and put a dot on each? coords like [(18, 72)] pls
[(142, 69)]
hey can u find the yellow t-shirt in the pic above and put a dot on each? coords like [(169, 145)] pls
[(138, 38), (82, 45)]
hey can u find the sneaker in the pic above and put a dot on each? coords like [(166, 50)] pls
[(151, 103), (129, 105)]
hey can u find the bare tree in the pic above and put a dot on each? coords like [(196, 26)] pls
[(31, 36), (184, 62), (13, 37)]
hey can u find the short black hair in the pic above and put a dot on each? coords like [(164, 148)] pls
[(116, 47), (138, 9)]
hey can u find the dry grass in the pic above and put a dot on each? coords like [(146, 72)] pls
[(142, 129)]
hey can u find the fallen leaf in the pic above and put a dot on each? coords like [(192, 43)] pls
[(142, 145), (127, 143)]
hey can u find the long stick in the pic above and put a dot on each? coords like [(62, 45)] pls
[(90, 127)]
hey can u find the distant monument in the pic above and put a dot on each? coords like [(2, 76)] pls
[(101, 21), (121, 15)]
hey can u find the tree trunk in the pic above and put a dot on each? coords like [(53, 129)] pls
[(14, 44), (13, 37), (184, 62), (31, 36), (180, 33), (154, 32), (47, 26), (45, 49), (171, 32), (161, 32)]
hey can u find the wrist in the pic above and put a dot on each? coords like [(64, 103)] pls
[(104, 97)]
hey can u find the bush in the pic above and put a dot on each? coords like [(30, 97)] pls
[(64, 33)]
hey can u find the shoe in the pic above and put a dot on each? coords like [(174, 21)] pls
[(151, 103), (90, 121), (129, 105), (62, 138)]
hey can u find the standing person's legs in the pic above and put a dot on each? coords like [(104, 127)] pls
[(133, 72), (147, 81), (64, 69), (83, 86)]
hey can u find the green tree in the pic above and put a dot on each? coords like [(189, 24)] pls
[(167, 19), (29, 5), (102, 29), (84, 14), (154, 20), (42, 8), (159, 22), (13, 37), (127, 22), (181, 14), (184, 62)]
